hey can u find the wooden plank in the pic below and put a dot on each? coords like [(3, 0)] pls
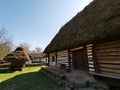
[(91, 65), (62, 63), (108, 50), (90, 59), (110, 66), (109, 46), (110, 70), (62, 60), (62, 57), (51, 54), (65, 51), (62, 53), (91, 70), (108, 43), (108, 55), (76, 48), (111, 74), (106, 61), (90, 56), (89, 48), (90, 62), (109, 58), (90, 45), (89, 51), (106, 74)]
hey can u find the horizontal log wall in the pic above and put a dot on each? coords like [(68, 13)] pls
[(108, 56), (62, 58), (90, 58), (51, 62)]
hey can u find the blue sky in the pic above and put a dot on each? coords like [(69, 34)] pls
[(37, 21)]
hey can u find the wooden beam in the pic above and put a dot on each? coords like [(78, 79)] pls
[(96, 63), (56, 59), (69, 60), (105, 75), (74, 49), (86, 59), (48, 59)]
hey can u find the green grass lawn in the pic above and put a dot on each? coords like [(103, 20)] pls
[(29, 79)]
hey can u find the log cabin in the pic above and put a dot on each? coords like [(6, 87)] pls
[(36, 57), (90, 42)]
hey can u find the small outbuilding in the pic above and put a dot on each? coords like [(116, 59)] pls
[(36, 57), (17, 58)]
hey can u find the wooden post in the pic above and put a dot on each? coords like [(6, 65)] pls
[(86, 59), (56, 59), (96, 63), (48, 59), (69, 60)]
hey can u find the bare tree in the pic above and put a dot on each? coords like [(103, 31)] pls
[(26, 46), (5, 43), (38, 49)]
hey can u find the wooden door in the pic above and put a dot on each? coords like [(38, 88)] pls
[(80, 60)]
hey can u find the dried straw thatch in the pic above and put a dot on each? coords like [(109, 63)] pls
[(17, 58), (98, 22)]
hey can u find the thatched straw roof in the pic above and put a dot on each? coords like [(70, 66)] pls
[(99, 21), (19, 54), (35, 55)]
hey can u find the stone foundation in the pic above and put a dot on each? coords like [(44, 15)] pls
[(74, 82)]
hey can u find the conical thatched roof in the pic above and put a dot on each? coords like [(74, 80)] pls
[(99, 21), (19, 54)]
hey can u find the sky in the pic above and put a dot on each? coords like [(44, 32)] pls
[(36, 22)]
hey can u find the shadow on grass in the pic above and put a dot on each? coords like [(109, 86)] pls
[(5, 70), (30, 81)]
